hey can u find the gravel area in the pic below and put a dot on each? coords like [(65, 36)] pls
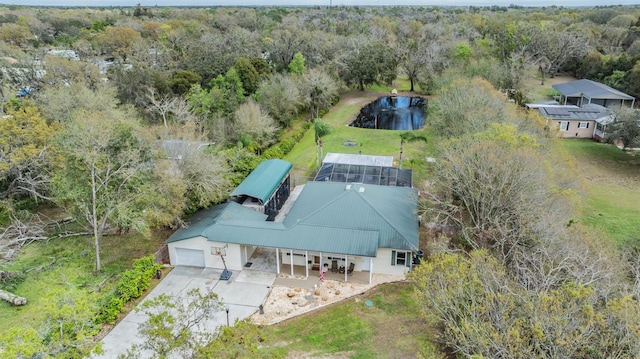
[(284, 302)]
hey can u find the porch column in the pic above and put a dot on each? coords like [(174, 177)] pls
[(346, 267), (277, 261), (291, 250), (246, 255), (370, 270), (306, 263)]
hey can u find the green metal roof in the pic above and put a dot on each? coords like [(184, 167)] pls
[(263, 180), (355, 242), (327, 217), (204, 219), (392, 211)]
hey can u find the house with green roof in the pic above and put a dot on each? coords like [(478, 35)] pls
[(372, 228)]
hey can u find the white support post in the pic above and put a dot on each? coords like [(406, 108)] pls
[(306, 263), (370, 270), (246, 255), (277, 261), (346, 268), (291, 251)]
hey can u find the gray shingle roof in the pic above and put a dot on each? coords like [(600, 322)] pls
[(590, 89)]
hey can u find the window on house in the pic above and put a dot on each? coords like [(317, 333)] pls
[(564, 125), (400, 258), (583, 125)]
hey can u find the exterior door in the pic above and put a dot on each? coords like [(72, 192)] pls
[(366, 264)]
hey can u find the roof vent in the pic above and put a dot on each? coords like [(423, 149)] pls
[(361, 189), (347, 187)]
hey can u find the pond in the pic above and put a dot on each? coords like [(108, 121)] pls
[(393, 113)]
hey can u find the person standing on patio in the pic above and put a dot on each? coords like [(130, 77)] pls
[(323, 271)]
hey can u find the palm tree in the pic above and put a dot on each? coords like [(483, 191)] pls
[(321, 129), (407, 137)]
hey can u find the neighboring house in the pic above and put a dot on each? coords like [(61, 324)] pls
[(588, 121), (584, 92), (65, 54), (372, 227)]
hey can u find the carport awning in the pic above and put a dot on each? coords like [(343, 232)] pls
[(356, 242), (263, 180), (592, 89)]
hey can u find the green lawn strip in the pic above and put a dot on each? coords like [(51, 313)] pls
[(617, 213), (391, 327), (611, 201), (64, 264)]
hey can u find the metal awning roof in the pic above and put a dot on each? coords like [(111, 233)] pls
[(263, 180), (591, 89)]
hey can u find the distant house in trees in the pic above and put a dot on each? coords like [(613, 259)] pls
[(584, 92), (588, 121)]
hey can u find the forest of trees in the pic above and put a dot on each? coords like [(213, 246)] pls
[(134, 118)]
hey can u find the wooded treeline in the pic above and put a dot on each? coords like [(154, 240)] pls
[(130, 118)]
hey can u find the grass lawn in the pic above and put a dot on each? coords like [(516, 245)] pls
[(612, 201), (68, 263), (369, 142), (390, 328)]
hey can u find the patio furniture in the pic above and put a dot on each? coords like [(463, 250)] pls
[(334, 266), (351, 266)]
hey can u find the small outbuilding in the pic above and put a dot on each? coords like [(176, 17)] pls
[(584, 92), (266, 188)]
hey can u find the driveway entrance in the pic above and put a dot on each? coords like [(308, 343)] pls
[(243, 293)]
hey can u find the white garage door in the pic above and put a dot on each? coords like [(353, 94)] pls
[(190, 257)]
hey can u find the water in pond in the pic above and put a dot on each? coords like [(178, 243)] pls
[(393, 113)]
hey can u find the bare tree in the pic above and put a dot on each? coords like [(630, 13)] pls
[(106, 173), (554, 49), (422, 52), (168, 107)]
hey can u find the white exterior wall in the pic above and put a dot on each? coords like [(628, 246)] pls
[(298, 257), (382, 263), (233, 257)]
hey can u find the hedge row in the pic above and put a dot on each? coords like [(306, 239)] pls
[(287, 144), (131, 285)]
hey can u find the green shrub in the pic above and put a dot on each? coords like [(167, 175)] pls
[(135, 281), (287, 145), (272, 152), (110, 308), (131, 285)]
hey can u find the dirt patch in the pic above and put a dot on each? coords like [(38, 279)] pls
[(360, 97), (287, 302)]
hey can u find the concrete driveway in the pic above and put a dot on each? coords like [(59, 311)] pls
[(243, 293)]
